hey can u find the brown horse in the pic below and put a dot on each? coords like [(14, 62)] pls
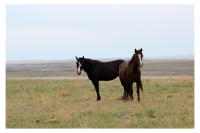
[(129, 72)]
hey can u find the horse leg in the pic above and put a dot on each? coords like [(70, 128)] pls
[(126, 91), (138, 91), (124, 85), (96, 85), (131, 91)]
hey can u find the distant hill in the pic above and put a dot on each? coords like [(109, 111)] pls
[(170, 58), (184, 55)]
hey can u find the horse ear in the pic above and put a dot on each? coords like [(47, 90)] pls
[(76, 58), (83, 57), (141, 50), (135, 51)]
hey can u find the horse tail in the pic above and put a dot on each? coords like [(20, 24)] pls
[(141, 86)]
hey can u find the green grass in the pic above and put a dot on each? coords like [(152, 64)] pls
[(37, 103)]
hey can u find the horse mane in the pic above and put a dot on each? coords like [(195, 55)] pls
[(132, 59), (89, 63), (90, 60), (87, 59)]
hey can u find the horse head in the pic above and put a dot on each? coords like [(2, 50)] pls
[(79, 64), (138, 57)]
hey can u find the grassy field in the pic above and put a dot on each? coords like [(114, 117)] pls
[(37, 103)]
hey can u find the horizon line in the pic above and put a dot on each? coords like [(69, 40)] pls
[(163, 57)]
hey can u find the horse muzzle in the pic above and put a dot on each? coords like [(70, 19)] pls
[(79, 72)]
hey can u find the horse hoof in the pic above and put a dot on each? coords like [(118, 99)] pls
[(125, 100), (98, 99), (122, 98), (132, 98)]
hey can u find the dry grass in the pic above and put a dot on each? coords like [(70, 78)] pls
[(64, 93), (183, 77), (165, 103)]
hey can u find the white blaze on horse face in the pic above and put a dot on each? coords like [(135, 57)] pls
[(139, 55), (79, 68)]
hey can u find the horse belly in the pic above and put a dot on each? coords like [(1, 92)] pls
[(123, 77), (108, 74)]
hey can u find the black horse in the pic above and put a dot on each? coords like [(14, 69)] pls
[(98, 71), (129, 72)]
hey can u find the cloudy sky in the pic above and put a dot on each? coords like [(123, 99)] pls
[(49, 32)]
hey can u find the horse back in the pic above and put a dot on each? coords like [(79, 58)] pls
[(107, 70)]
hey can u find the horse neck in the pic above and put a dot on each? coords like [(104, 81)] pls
[(133, 65), (87, 65)]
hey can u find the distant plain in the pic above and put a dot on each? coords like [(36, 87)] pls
[(163, 67)]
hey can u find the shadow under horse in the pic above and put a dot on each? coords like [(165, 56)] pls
[(98, 71), (129, 72)]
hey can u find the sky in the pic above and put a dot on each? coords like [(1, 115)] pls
[(58, 32)]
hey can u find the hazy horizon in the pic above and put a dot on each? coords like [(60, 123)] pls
[(175, 56), (178, 58), (59, 32)]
